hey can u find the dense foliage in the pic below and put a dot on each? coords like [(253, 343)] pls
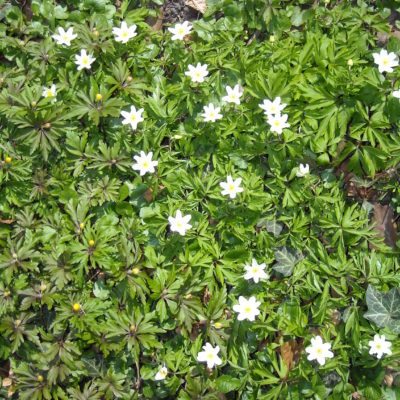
[(97, 292)]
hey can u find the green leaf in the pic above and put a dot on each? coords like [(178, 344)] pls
[(384, 308), (226, 383), (286, 260)]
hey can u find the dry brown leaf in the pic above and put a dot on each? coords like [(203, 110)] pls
[(290, 353), (198, 5), (148, 195), (7, 382), (385, 225), (6, 221)]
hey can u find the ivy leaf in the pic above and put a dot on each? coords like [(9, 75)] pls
[(226, 383), (286, 260), (384, 308)]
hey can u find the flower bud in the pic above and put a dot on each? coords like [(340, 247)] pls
[(135, 270), (132, 328), (218, 325), (40, 378), (76, 307), (8, 160), (81, 225), (47, 125), (91, 243), (350, 62), (99, 97), (272, 39), (33, 103)]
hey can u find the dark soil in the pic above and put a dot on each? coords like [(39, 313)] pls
[(176, 10)]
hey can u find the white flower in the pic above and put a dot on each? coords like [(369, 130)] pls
[(304, 169), (209, 355), (247, 309), (211, 113), (197, 73), (255, 271), (278, 122), (233, 95), (180, 223), (272, 107), (132, 117), (161, 374), (319, 350), (380, 346), (231, 187), (144, 163), (396, 94), (84, 60), (124, 33), (50, 92), (65, 37), (179, 31), (385, 61)]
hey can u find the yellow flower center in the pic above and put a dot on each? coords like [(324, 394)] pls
[(233, 97), (212, 115), (65, 38), (231, 187), (180, 31), (385, 61), (319, 351), (49, 93), (273, 108), (277, 123), (178, 224), (125, 34), (145, 164), (198, 74), (247, 309), (210, 356), (378, 346), (85, 60), (133, 118), (255, 270)]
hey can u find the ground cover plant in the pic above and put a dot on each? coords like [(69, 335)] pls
[(199, 204)]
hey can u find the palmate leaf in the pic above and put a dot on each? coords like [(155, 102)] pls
[(384, 308), (286, 259)]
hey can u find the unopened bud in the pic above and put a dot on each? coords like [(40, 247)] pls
[(91, 243), (8, 160), (76, 307), (272, 39), (350, 62), (99, 97)]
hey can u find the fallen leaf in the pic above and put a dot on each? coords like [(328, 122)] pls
[(198, 5), (290, 353), (7, 382), (148, 195), (385, 225), (6, 221)]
